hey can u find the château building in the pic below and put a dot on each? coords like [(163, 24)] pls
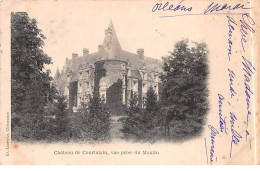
[(114, 73)]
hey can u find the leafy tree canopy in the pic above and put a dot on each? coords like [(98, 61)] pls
[(28, 60), (185, 90), (151, 103)]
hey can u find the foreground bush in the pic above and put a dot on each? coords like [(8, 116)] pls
[(140, 123), (91, 123)]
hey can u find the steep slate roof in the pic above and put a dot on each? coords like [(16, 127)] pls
[(110, 49), (137, 63), (135, 74)]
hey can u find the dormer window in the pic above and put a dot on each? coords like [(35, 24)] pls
[(135, 86), (87, 73), (87, 85), (80, 73), (80, 88), (129, 72), (144, 76)]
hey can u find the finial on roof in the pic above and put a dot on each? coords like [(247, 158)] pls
[(57, 74), (110, 24), (111, 47), (140, 53), (143, 67), (85, 52)]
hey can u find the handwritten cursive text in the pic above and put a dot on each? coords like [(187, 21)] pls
[(213, 134), (216, 7), (170, 7)]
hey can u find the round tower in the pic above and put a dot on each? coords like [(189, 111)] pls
[(110, 82)]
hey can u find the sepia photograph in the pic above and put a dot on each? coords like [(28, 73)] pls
[(106, 95), (129, 82)]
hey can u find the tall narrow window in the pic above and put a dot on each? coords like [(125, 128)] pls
[(87, 85)]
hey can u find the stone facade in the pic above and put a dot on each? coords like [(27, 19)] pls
[(113, 72)]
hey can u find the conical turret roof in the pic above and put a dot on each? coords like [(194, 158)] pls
[(111, 48)]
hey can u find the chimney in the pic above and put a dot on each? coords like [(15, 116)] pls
[(140, 53), (85, 52), (99, 47), (74, 55), (67, 61)]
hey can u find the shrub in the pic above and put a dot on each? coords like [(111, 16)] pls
[(91, 122)]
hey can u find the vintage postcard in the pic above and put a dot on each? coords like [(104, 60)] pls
[(129, 82)]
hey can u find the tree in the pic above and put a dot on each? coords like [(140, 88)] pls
[(139, 124), (150, 116), (92, 121), (99, 120), (131, 121), (31, 83), (151, 103), (27, 60), (61, 102), (185, 89), (79, 122), (133, 104), (62, 130)]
